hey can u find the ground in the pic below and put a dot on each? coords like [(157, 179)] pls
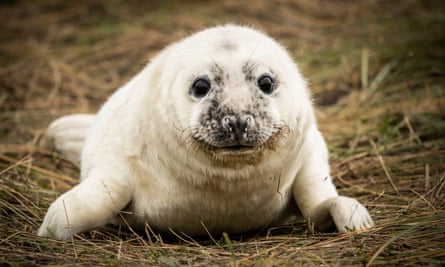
[(377, 72)]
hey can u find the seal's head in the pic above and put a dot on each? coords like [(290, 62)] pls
[(237, 92)]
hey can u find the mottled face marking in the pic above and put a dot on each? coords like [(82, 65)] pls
[(218, 75), (248, 71), (236, 116)]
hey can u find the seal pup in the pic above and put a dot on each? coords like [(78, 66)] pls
[(216, 134)]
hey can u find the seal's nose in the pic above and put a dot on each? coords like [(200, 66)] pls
[(237, 125)]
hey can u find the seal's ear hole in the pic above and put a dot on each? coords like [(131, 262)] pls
[(266, 84), (200, 87)]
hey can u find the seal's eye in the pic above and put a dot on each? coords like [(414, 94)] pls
[(200, 87), (266, 84)]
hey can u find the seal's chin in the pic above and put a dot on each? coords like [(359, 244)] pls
[(235, 150)]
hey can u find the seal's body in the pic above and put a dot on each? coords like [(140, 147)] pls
[(216, 134)]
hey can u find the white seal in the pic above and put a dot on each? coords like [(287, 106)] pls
[(216, 134)]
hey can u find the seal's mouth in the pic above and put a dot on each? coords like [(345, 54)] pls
[(235, 150)]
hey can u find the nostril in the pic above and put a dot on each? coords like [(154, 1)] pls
[(246, 122), (229, 123), (239, 125)]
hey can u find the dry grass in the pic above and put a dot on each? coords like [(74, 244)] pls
[(377, 69)]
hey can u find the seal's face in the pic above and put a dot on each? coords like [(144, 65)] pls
[(240, 94), (236, 115)]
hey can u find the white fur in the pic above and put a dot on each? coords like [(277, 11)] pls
[(137, 156), (69, 134)]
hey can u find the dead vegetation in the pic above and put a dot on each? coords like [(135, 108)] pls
[(377, 69)]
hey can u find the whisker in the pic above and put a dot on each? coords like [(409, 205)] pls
[(254, 49)]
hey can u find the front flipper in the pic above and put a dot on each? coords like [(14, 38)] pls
[(316, 195), (90, 204), (342, 212)]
